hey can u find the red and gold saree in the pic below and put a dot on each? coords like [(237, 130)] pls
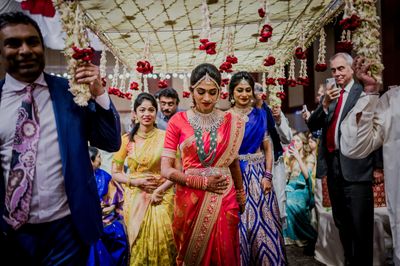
[(205, 224)]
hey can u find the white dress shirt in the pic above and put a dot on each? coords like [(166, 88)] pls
[(345, 95), (49, 200)]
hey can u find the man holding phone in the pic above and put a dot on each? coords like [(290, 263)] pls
[(349, 180)]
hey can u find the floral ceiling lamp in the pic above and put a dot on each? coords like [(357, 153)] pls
[(366, 37), (77, 48), (205, 44), (321, 64)]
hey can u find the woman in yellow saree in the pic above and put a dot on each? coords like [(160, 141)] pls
[(148, 197), (206, 214)]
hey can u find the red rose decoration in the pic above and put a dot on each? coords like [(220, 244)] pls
[(186, 94), (263, 96), (350, 23), (231, 59), (134, 86), (303, 81), (224, 82), (300, 54), (344, 47), (208, 46), (144, 67), (321, 67), (162, 84), (85, 54), (265, 33), (225, 67), (282, 81), (291, 82), (224, 95), (128, 96), (269, 61), (270, 81), (281, 95), (261, 12)]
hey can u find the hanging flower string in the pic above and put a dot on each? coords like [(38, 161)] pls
[(264, 87), (273, 87), (291, 82), (303, 78), (185, 90), (366, 37), (102, 67), (77, 48), (351, 21), (261, 9), (345, 44), (321, 65), (224, 83), (230, 59), (266, 30), (205, 43)]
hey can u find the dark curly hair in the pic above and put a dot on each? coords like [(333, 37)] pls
[(235, 80)]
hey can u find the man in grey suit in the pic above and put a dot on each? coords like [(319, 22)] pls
[(349, 180)]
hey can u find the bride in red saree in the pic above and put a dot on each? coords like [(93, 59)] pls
[(206, 214)]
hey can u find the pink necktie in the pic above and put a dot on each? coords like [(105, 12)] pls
[(23, 163), (330, 134)]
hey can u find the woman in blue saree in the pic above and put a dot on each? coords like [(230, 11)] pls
[(261, 240), (112, 248)]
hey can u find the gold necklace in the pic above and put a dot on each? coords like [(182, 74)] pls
[(205, 122)]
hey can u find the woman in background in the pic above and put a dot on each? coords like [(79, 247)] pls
[(300, 198), (148, 197), (208, 191), (261, 239), (112, 249)]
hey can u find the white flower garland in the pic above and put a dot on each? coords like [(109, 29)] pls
[(72, 23), (303, 68), (114, 82), (292, 69), (122, 84), (103, 63), (206, 23), (322, 47), (366, 38)]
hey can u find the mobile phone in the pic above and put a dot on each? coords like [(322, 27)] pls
[(330, 82), (304, 108)]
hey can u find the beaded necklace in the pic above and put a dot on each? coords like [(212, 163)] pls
[(202, 123)]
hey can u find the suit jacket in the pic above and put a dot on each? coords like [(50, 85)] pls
[(353, 170), (76, 126)]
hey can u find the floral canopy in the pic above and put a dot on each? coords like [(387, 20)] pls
[(173, 29)]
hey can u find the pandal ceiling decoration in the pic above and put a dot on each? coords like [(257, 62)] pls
[(174, 28)]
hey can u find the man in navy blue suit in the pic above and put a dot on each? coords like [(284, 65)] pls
[(63, 216)]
